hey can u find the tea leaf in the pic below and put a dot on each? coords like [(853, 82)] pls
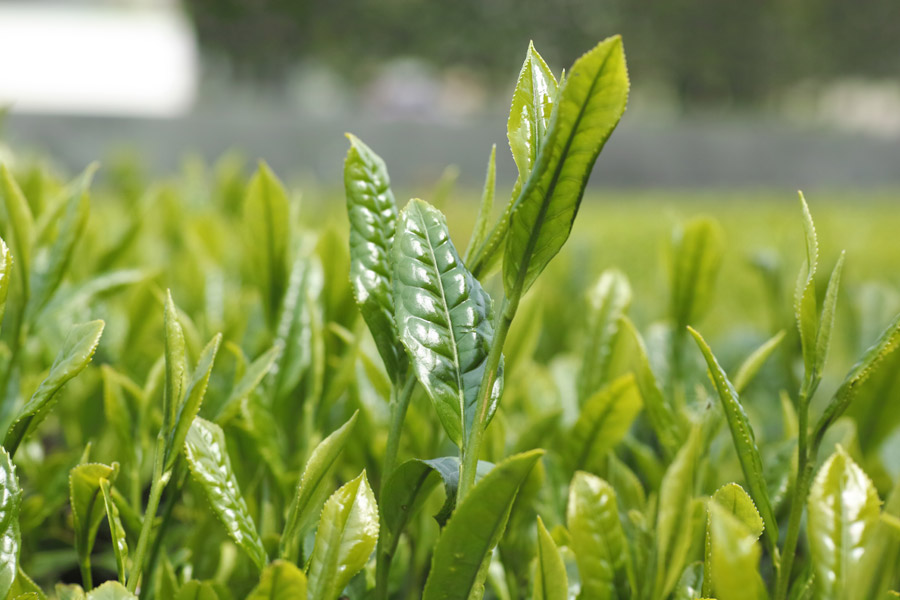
[(826, 324), (348, 530), (688, 587), (843, 512), (734, 556), (372, 211), (280, 580), (10, 539), (20, 220), (24, 588), (210, 466), (608, 301), (480, 229), (313, 487), (696, 257), (72, 591), (176, 364), (805, 295), (116, 530), (196, 590), (877, 568), (88, 509), (111, 590), (249, 381), (550, 580), (753, 363), (462, 554), (444, 318), (6, 263), (732, 499), (76, 353), (588, 108), (598, 540)]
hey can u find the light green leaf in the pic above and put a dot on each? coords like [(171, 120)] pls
[(673, 521), (601, 550), (608, 301), (348, 531), (753, 363), (267, 218), (76, 353), (826, 324), (605, 418), (71, 591), (372, 211), (313, 488), (744, 440), (480, 229), (734, 556), (197, 590), (6, 262), (877, 571), (88, 508), (734, 500), (843, 509), (176, 364), (444, 318), (588, 108), (529, 115), (805, 309), (280, 580), (210, 466), (20, 220), (550, 580), (111, 590), (116, 529), (462, 555), (25, 587), (10, 540), (696, 257), (249, 381), (193, 397), (688, 587)]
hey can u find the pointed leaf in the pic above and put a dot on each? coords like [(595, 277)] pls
[(76, 353), (734, 556), (280, 580), (373, 220), (588, 108), (176, 364), (550, 580), (6, 262), (313, 488), (696, 257), (753, 363), (598, 540), (348, 531), (87, 505), (805, 309), (116, 529), (826, 324), (608, 301), (843, 509), (250, 380), (20, 220), (210, 466), (10, 540), (25, 588), (462, 555), (444, 318), (482, 221), (734, 500)]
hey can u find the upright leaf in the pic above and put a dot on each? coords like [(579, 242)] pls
[(348, 531), (76, 353), (598, 540), (744, 439), (607, 302), (281, 580), (480, 229), (588, 108), (249, 381), (373, 220), (826, 324), (176, 364), (116, 529), (267, 217), (843, 509), (805, 294), (88, 509), (734, 556), (20, 220), (550, 580), (732, 499), (444, 318), (10, 540), (313, 488), (462, 555), (696, 256), (753, 363), (5, 271), (210, 466)]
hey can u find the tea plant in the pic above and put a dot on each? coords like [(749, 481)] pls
[(474, 436)]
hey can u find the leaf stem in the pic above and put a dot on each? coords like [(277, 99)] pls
[(472, 445), (157, 486)]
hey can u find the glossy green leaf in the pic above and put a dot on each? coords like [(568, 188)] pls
[(735, 501), (744, 439), (280, 580), (348, 531), (193, 397), (843, 509), (588, 108), (111, 590), (696, 257), (826, 323), (176, 364), (372, 211), (462, 555), (313, 488), (605, 418), (20, 220), (267, 219), (482, 222), (673, 520), (210, 466), (88, 507), (25, 588), (805, 310), (550, 580), (77, 351), (690, 584), (45, 282), (529, 116), (116, 529), (6, 263), (197, 590), (753, 363), (877, 570), (444, 318), (734, 556), (600, 546), (10, 540), (608, 301)]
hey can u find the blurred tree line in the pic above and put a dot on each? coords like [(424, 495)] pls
[(706, 51)]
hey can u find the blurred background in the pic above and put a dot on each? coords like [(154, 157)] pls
[(774, 95)]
